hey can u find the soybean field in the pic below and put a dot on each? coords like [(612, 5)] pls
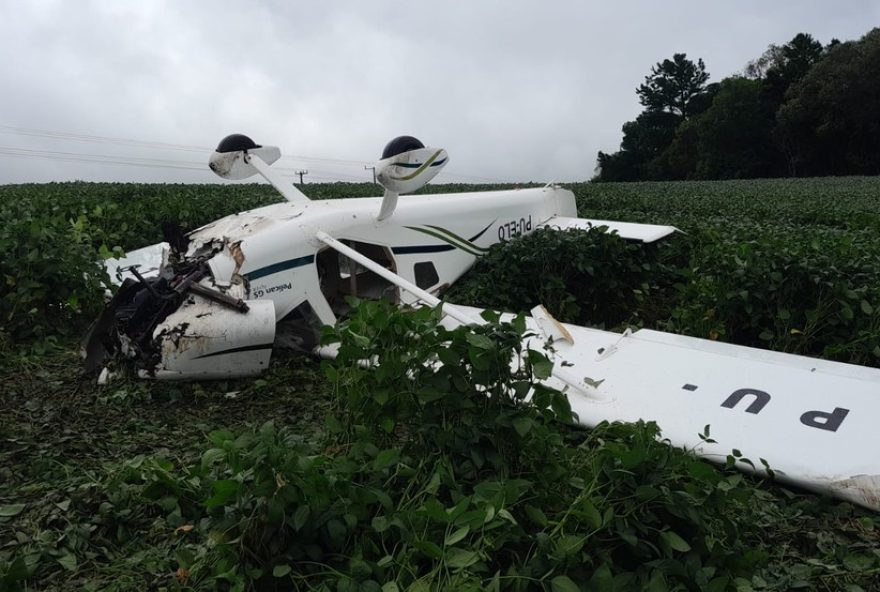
[(329, 476)]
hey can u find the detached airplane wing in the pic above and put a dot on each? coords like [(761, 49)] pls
[(812, 420), (646, 233)]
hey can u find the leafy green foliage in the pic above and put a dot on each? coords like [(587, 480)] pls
[(436, 472), (730, 140), (417, 479), (784, 265), (801, 110), (674, 86), (53, 237), (828, 121), (590, 277)]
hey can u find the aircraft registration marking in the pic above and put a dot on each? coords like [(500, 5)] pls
[(514, 228)]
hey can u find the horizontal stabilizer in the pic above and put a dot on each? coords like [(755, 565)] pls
[(646, 233)]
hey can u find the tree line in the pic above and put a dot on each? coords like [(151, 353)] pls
[(801, 109)]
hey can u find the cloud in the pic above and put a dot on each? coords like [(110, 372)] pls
[(514, 90)]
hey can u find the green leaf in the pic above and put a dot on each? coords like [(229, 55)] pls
[(279, 571), (301, 516), (592, 515), (436, 511), (523, 425), (536, 515), (337, 531), (569, 544), (675, 542), (212, 455), (702, 471), (390, 587), (11, 510), (479, 341), (866, 307), (563, 584), (428, 548), (541, 366), (503, 513), (18, 571), (224, 490), (561, 407), (460, 558), (68, 561), (456, 536), (386, 458), (380, 523)]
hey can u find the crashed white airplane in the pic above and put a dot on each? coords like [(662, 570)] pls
[(214, 303)]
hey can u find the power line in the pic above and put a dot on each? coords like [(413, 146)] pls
[(96, 159), (155, 145), (60, 135), (140, 162)]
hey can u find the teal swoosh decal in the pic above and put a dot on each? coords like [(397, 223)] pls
[(460, 239), (453, 239), (446, 239)]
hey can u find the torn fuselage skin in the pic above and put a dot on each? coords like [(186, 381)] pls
[(189, 319)]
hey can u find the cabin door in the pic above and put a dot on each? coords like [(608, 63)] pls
[(341, 277)]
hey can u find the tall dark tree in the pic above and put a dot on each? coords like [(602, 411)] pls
[(791, 63), (675, 90), (643, 140), (828, 123), (674, 85), (732, 139), (735, 133), (757, 69)]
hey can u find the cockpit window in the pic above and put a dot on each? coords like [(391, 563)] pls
[(425, 274)]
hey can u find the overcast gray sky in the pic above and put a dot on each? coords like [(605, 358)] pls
[(514, 90)]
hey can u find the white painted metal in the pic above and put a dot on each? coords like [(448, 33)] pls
[(770, 405), (389, 204), (284, 186), (206, 339), (552, 329), (236, 165), (411, 170), (647, 233), (148, 261)]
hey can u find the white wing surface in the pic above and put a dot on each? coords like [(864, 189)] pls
[(814, 421)]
